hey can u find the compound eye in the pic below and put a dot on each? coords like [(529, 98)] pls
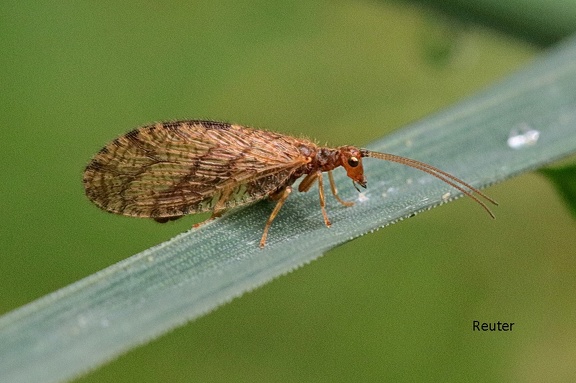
[(353, 162)]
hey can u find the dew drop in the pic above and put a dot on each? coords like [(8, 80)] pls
[(522, 136)]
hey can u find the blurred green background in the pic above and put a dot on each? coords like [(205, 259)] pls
[(395, 305)]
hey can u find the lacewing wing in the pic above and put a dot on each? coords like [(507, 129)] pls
[(170, 169)]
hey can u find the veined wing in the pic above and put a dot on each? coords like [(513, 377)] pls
[(183, 167)]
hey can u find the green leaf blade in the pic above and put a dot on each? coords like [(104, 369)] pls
[(564, 179)]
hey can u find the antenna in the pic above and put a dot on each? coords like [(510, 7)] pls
[(448, 178)]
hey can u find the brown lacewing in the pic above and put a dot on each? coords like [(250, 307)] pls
[(169, 169)]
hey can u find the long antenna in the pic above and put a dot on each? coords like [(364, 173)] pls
[(455, 182)]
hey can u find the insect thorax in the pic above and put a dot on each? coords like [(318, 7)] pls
[(325, 159)]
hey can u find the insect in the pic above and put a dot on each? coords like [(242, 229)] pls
[(170, 169)]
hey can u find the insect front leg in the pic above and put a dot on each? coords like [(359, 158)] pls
[(281, 196), (335, 191), (307, 183)]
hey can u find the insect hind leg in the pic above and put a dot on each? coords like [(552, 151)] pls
[(281, 196), (219, 208)]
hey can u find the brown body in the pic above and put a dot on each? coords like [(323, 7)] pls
[(167, 170)]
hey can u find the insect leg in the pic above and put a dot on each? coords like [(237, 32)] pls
[(322, 199), (335, 191), (281, 196), (219, 207), (307, 183)]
